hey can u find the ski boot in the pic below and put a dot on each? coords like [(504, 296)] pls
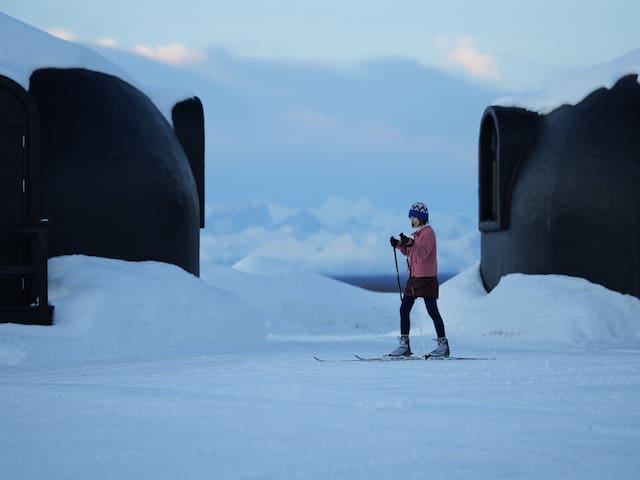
[(442, 350), (403, 349)]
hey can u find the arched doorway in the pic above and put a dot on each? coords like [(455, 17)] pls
[(23, 241)]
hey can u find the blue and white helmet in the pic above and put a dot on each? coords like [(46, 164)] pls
[(419, 210)]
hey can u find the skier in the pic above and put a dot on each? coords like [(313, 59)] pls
[(420, 250)]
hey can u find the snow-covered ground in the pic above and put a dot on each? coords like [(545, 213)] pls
[(150, 372)]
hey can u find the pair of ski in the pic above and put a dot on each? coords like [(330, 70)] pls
[(389, 358)]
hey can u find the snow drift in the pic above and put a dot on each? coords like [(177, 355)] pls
[(117, 310), (541, 310), (114, 309)]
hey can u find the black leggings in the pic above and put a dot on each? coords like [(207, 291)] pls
[(432, 309)]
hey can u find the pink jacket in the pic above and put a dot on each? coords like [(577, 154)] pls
[(422, 254)]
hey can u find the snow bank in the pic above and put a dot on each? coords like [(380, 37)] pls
[(573, 88), (117, 310), (113, 309), (541, 310), (294, 300), (537, 310), (26, 49)]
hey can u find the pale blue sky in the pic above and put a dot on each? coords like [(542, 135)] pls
[(511, 44)]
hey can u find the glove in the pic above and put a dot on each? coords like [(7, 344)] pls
[(405, 241), (394, 242)]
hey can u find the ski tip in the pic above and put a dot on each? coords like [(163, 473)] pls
[(324, 360)]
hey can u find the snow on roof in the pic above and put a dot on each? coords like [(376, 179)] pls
[(574, 87), (27, 49)]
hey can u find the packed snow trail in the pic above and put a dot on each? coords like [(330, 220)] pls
[(150, 372), (280, 414)]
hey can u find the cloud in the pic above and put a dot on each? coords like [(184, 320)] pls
[(312, 119), (174, 54), (339, 236), (107, 42), (462, 53), (62, 33)]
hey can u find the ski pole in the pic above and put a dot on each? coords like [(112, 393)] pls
[(395, 255)]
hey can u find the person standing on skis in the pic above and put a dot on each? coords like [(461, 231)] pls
[(420, 250)]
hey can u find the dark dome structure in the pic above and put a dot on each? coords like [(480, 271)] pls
[(559, 193), (90, 166), (116, 180)]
